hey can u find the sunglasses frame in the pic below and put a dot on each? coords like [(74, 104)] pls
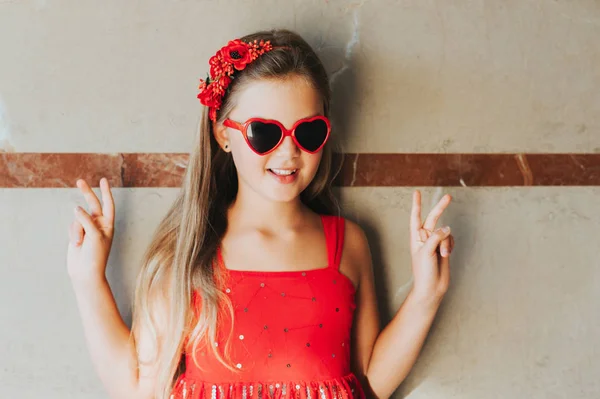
[(243, 127)]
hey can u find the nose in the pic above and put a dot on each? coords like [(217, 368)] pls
[(287, 148)]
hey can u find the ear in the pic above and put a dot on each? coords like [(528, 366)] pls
[(221, 135)]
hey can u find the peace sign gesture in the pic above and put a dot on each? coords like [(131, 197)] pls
[(90, 235), (430, 249)]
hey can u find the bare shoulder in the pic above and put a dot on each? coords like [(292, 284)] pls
[(356, 255)]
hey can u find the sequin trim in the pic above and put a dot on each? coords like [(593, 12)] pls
[(346, 387)]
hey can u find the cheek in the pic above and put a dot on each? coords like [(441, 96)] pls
[(246, 161), (311, 163)]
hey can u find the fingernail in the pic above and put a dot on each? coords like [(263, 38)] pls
[(444, 252), (446, 229)]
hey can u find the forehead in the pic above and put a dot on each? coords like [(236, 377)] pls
[(286, 100)]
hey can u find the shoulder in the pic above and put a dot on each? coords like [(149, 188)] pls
[(354, 235), (356, 242), (356, 255)]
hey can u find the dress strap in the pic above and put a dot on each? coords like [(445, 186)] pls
[(334, 238)]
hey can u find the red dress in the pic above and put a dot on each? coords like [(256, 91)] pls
[(291, 335)]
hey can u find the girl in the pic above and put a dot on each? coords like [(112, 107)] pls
[(253, 285)]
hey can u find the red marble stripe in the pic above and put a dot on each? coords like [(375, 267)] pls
[(497, 170), (48, 170)]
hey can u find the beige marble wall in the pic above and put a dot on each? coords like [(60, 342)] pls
[(522, 319), (455, 76)]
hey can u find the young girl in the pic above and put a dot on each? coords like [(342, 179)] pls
[(254, 286)]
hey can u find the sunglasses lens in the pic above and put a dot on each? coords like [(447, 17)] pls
[(312, 135), (262, 136)]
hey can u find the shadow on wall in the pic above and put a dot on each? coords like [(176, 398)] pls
[(120, 272), (438, 361), (459, 216)]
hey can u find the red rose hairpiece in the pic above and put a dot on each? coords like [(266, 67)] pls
[(234, 56)]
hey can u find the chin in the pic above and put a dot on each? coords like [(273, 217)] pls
[(282, 197), (282, 194), (275, 191)]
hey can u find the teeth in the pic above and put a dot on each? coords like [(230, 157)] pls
[(283, 172)]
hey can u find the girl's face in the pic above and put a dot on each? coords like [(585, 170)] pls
[(286, 101)]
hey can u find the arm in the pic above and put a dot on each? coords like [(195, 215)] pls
[(113, 353), (385, 358), (398, 346)]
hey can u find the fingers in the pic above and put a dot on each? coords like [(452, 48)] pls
[(423, 235), (445, 272), (76, 233), (108, 203), (436, 212), (86, 221), (436, 239), (415, 216), (90, 197), (445, 247)]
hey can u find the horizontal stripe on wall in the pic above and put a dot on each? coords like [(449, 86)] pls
[(56, 170)]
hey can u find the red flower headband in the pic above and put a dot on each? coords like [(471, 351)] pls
[(235, 56)]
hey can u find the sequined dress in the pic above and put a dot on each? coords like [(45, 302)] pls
[(291, 335)]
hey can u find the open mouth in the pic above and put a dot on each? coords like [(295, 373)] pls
[(283, 172)]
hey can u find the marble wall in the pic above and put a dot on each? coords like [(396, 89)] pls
[(496, 103)]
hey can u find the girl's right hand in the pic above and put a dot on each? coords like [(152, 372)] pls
[(90, 235)]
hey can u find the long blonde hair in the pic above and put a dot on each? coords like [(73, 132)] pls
[(181, 259)]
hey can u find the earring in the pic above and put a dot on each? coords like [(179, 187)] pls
[(226, 146)]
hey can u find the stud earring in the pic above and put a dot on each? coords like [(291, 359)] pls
[(226, 146)]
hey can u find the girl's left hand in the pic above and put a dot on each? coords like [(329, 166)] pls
[(430, 251)]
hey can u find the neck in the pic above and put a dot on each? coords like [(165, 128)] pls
[(254, 210)]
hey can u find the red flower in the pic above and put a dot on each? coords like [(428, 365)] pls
[(224, 81), (237, 54), (218, 66), (211, 95)]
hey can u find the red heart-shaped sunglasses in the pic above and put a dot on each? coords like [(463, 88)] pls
[(265, 135)]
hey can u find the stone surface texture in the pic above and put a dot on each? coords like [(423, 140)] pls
[(494, 102)]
